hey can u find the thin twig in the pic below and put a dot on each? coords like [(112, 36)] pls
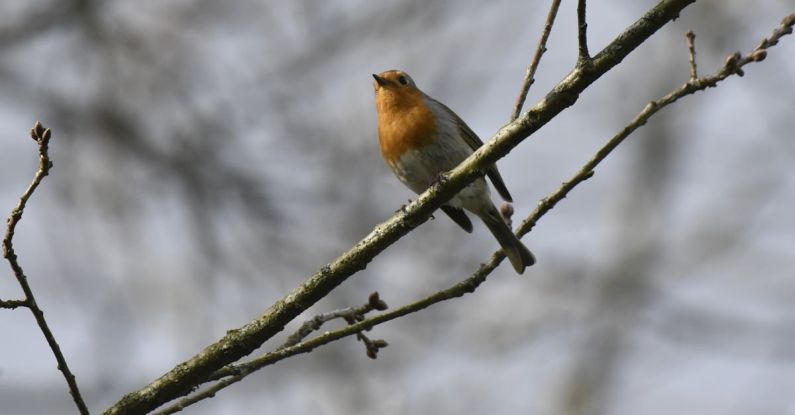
[(234, 373), (204, 394), (529, 77), (42, 137), (12, 304), (691, 47), (315, 323), (350, 314), (582, 35)]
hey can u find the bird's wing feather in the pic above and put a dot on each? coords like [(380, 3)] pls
[(458, 216), (475, 142)]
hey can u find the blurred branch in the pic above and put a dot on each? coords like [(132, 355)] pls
[(718, 332), (240, 342), (233, 373), (47, 17), (42, 137), (529, 77)]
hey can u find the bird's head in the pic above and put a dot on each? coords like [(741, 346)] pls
[(395, 89)]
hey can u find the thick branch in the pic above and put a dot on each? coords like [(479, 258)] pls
[(240, 342), (529, 77), (42, 137)]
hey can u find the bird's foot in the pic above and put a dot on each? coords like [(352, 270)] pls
[(440, 179)]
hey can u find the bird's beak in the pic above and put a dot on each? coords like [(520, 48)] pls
[(381, 81)]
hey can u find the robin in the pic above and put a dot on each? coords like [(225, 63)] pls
[(421, 138)]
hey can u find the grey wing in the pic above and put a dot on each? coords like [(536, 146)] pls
[(459, 217), (474, 141)]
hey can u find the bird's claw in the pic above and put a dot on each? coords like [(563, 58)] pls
[(440, 179)]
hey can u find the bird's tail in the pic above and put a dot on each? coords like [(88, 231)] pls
[(514, 249)]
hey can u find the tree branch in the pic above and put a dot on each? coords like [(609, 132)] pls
[(234, 373), (240, 342), (529, 77), (42, 137), (691, 47), (582, 35), (12, 304), (349, 314)]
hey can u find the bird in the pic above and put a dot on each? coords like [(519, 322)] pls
[(421, 138)]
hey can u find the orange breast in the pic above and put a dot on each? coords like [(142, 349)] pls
[(404, 123)]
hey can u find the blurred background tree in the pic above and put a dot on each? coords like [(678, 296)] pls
[(211, 155)]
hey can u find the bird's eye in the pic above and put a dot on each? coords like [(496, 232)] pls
[(403, 80)]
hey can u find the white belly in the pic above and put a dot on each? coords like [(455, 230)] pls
[(419, 169)]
